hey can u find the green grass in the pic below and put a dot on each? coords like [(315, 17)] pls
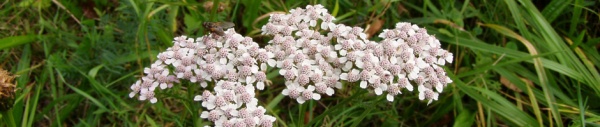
[(517, 63)]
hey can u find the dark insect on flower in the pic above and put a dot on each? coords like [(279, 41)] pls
[(217, 27)]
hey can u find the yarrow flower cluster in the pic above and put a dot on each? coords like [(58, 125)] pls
[(312, 64), (304, 56), (230, 61)]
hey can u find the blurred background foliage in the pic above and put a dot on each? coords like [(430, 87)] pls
[(517, 63)]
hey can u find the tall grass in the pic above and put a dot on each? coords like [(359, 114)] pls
[(517, 63)]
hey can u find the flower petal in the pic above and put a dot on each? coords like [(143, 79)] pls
[(260, 85), (363, 84), (198, 98), (316, 96), (378, 91), (390, 98)]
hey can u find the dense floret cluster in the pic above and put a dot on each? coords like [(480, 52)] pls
[(314, 56), (231, 62), (314, 63)]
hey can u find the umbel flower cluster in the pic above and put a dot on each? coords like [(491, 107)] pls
[(230, 62), (313, 54), (314, 64)]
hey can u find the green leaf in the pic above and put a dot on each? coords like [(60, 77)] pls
[(89, 97), (10, 42), (94, 71), (151, 121), (464, 119), (497, 104), (336, 9)]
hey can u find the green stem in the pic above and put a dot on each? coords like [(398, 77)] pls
[(8, 118)]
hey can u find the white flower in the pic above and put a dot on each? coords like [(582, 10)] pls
[(169, 55), (308, 94), (373, 80), (197, 98), (289, 74), (156, 66), (347, 65), (230, 109), (422, 89), (177, 55), (260, 77), (389, 97), (250, 78), (164, 74), (149, 95), (379, 88), (348, 76), (187, 69), (293, 89), (135, 88), (404, 83), (210, 103), (213, 115), (420, 63), (267, 121), (426, 93), (435, 97), (268, 56), (448, 56), (360, 63), (327, 25), (439, 87)]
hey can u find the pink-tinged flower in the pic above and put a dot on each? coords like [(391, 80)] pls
[(230, 110), (213, 115), (333, 80), (209, 103), (393, 90), (367, 77), (163, 79), (308, 94), (248, 99), (180, 38), (322, 88), (156, 67), (148, 95), (448, 57), (266, 58), (352, 76), (426, 93), (266, 121), (293, 90), (327, 22), (379, 88), (204, 97), (290, 74), (169, 55), (135, 88), (404, 83), (261, 77), (187, 73)]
